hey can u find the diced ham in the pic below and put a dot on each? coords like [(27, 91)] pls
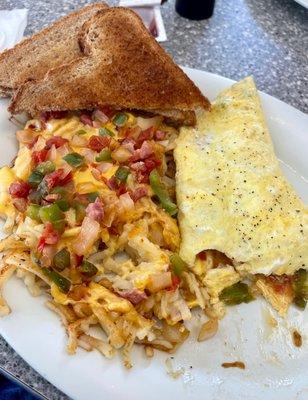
[(160, 135), (138, 193), (19, 189), (101, 116), (112, 183), (47, 115), (121, 189), (50, 198), (60, 177), (57, 141), (86, 119), (95, 210), (98, 143), (145, 135), (146, 150), (129, 144), (143, 168), (138, 166), (20, 204), (135, 296)]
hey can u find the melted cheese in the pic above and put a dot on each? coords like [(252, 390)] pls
[(85, 182), (231, 193), (22, 165), (7, 177)]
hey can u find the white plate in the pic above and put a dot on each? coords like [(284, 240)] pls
[(304, 3), (275, 369)]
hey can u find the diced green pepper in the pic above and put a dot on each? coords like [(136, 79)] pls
[(104, 155), (74, 159), (63, 283), (88, 269), (236, 294), (105, 132), (51, 213), (80, 212), (120, 119), (178, 265), (300, 288), (33, 212), (45, 167), (62, 260), (81, 132), (59, 225), (122, 174), (35, 178), (92, 196), (62, 204), (161, 192), (300, 302)]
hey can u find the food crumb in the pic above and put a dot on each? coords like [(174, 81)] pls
[(174, 373), (235, 364), (297, 338), (149, 351)]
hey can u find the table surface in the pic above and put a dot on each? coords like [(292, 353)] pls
[(264, 38)]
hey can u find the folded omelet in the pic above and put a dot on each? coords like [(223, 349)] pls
[(231, 192)]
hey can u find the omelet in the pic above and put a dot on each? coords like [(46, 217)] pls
[(231, 193)]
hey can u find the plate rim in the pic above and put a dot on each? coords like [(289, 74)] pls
[(189, 71)]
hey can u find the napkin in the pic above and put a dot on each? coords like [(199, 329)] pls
[(12, 26)]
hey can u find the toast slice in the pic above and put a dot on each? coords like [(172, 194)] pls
[(122, 67), (50, 48)]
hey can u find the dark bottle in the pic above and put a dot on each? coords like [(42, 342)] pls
[(195, 9)]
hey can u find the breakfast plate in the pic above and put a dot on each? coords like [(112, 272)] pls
[(303, 3), (275, 368)]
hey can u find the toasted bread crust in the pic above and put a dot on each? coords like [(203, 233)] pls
[(122, 66), (49, 48)]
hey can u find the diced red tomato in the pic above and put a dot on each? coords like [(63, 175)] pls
[(19, 189), (57, 141), (79, 260), (49, 236), (39, 156), (280, 283), (57, 178), (175, 282), (145, 135), (98, 143)]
